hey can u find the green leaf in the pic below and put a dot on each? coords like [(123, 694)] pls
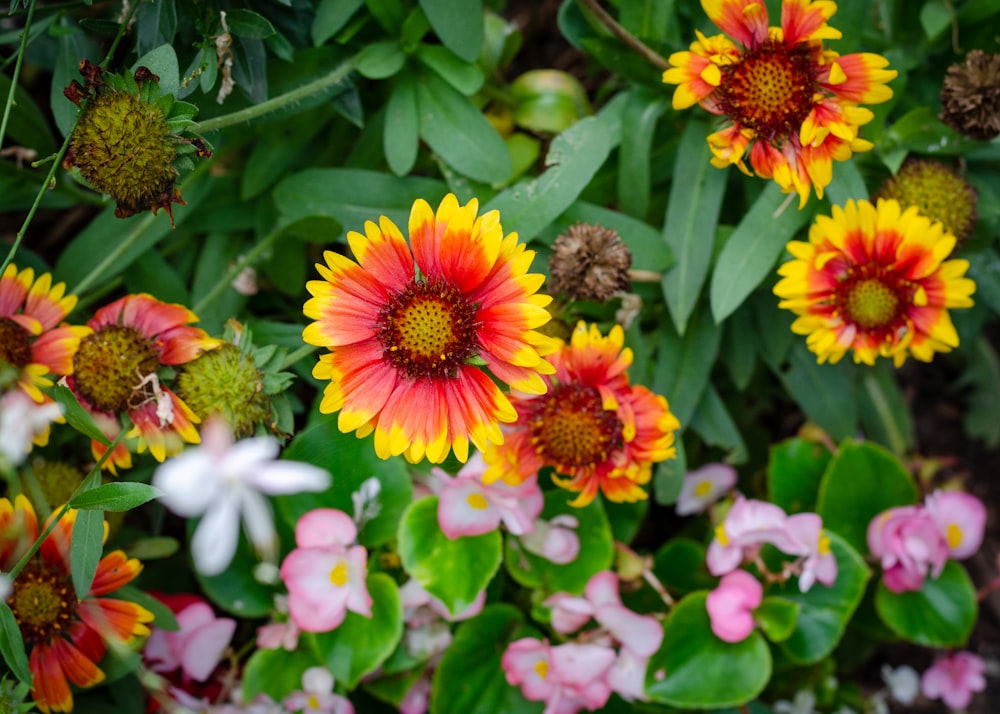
[(152, 274), (162, 62), (597, 549), (12, 645), (453, 571), (380, 60), (825, 611), (684, 363), (739, 347), (467, 78), (458, 24), (695, 669), (163, 616), (331, 16), (794, 471), (469, 679), (668, 476), (401, 137), (847, 185), (884, 413), (981, 377), (155, 25), (248, 24), (548, 101), (692, 215), (116, 497), (78, 417), (459, 133), (85, 549), (777, 618), (270, 159), (71, 45), (642, 113), (712, 422), (941, 614), (352, 461), (276, 673), (680, 566), (751, 251), (27, 125), (861, 481), (573, 158), (361, 644), (820, 389), (236, 590)]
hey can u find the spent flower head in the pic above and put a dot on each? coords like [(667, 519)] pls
[(970, 96), (589, 262)]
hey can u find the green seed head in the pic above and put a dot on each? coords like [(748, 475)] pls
[(227, 383), (938, 191)]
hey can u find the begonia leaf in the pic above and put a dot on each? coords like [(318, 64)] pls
[(695, 669), (235, 589), (794, 472), (940, 614), (454, 571), (777, 617), (680, 566), (276, 673), (361, 644)]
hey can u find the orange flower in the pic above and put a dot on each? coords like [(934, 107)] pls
[(115, 371), (874, 279), (591, 425), (409, 342), (793, 105), (65, 635), (31, 340)]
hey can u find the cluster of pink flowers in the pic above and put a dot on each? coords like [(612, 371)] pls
[(574, 676), (953, 678), (912, 542), (750, 524)]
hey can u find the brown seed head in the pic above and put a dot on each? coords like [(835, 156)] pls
[(970, 96), (589, 262)]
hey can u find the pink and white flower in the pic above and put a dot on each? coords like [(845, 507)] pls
[(961, 519), (730, 606), (555, 540), (748, 526), (820, 563), (325, 575), (909, 545), (954, 678), (703, 487), (196, 647), (568, 678), (317, 695)]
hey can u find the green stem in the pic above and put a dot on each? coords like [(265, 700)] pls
[(17, 72), (245, 261), (634, 43), (338, 74), (298, 354)]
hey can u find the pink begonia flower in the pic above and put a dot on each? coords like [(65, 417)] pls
[(909, 545), (748, 525), (568, 678), (418, 697), (468, 507), (555, 540), (196, 647), (279, 635), (954, 678), (819, 564), (730, 606), (627, 677), (325, 575), (317, 695), (961, 518), (703, 487), (427, 632)]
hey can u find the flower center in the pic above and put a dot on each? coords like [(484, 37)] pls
[(43, 602), (770, 90), (338, 576), (953, 534), (428, 329), (871, 304), (111, 365), (15, 345), (542, 668), (570, 427), (477, 501), (703, 489)]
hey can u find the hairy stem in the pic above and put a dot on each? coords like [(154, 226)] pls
[(625, 36)]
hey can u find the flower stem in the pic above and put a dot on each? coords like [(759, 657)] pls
[(17, 71), (633, 42), (245, 261), (338, 74), (300, 353)]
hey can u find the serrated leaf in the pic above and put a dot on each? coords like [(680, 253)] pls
[(115, 497), (86, 549)]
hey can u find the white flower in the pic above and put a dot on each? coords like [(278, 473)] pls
[(903, 683), (21, 420), (223, 482)]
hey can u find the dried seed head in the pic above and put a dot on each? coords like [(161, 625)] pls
[(589, 262), (939, 191), (970, 96)]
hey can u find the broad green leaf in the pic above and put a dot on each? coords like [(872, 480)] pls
[(152, 273), (163, 616), (116, 497), (453, 571), (12, 645), (548, 101), (27, 125), (695, 669), (155, 25), (794, 471), (573, 158), (650, 19), (777, 618), (940, 614), (380, 60), (464, 76), (684, 363), (860, 482), (469, 679), (642, 113), (680, 566), (71, 46), (276, 673), (86, 549), (236, 590), (597, 549), (458, 24), (920, 131), (885, 415), (692, 215), (331, 16), (847, 185), (351, 461), (248, 24), (751, 251), (401, 138), (825, 611), (78, 417), (820, 390), (270, 159), (361, 644), (772, 328), (162, 62), (459, 133), (712, 422), (739, 347)]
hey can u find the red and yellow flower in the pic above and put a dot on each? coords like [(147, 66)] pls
[(65, 635), (793, 106), (115, 372), (32, 339), (410, 328), (591, 425), (875, 280)]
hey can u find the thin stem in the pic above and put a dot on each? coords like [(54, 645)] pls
[(17, 71), (338, 74), (303, 351), (625, 36), (245, 261)]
